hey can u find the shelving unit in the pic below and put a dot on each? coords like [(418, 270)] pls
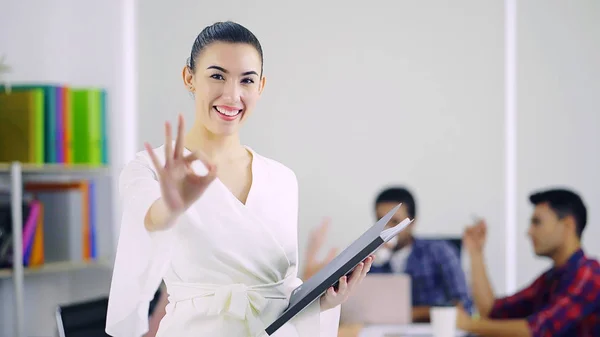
[(17, 174), (57, 267)]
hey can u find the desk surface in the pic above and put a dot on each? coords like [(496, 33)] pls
[(410, 330)]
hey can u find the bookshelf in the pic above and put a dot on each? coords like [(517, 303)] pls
[(57, 267), (56, 170), (16, 175), (71, 41)]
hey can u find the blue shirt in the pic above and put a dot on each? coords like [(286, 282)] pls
[(436, 274)]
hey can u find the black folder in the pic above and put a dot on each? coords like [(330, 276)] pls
[(341, 265)]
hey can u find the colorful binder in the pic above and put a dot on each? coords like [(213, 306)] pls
[(87, 126), (52, 117), (22, 134), (71, 123)]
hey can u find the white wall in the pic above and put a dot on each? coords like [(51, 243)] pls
[(78, 43), (359, 96), (559, 119)]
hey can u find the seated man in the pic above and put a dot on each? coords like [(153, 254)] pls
[(434, 265), (563, 301)]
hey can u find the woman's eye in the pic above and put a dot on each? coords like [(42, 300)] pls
[(247, 81), (217, 77)]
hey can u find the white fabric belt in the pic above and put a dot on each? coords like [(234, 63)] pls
[(238, 300)]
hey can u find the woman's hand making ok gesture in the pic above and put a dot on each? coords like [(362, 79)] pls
[(180, 185)]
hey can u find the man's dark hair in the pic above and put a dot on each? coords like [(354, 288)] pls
[(399, 195), (564, 203)]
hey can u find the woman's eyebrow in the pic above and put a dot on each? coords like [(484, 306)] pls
[(251, 72)]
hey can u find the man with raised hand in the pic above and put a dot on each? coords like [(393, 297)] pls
[(564, 300)]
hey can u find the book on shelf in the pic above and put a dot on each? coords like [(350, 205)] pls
[(22, 126), (54, 124), (32, 213), (59, 223)]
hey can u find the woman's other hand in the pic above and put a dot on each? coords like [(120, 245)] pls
[(333, 298)]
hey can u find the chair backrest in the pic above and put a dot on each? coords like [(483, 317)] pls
[(83, 319), (455, 242)]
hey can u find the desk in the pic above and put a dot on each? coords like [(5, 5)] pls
[(409, 330)]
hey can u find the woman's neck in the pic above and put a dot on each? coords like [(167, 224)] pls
[(216, 147)]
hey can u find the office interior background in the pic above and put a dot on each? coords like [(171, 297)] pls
[(471, 106)]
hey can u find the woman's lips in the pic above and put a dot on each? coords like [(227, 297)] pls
[(227, 113)]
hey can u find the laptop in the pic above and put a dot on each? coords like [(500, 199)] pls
[(380, 299)]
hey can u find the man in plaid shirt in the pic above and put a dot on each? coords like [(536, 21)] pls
[(563, 301), (434, 266)]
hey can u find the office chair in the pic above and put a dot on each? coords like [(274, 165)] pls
[(455, 242), (83, 319)]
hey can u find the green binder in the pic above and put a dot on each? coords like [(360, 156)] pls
[(87, 126)]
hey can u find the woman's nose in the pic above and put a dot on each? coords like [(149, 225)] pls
[(231, 91)]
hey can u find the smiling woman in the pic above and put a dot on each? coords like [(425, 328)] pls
[(223, 241), (225, 73)]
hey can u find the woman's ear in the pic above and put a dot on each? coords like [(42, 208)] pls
[(188, 78), (262, 83)]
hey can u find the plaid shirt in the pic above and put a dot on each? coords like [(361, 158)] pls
[(436, 274), (563, 301)]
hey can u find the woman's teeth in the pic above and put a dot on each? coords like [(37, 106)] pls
[(227, 112)]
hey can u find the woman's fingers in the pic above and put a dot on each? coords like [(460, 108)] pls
[(153, 157), (179, 141), (343, 285), (356, 273), (211, 175), (367, 267), (360, 272), (168, 145), (190, 158), (199, 155), (198, 179), (346, 284)]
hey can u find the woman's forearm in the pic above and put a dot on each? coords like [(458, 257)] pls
[(158, 217)]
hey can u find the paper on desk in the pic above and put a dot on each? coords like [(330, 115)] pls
[(409, 330)]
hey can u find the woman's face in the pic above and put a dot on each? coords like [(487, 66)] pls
[(226, 85)]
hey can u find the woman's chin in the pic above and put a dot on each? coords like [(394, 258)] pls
[(224, 130), (220, 126)]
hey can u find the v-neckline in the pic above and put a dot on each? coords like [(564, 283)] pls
[(252, 178)]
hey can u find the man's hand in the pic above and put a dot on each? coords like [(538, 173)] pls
[(316, 241), (474, 237), (463, 320)]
